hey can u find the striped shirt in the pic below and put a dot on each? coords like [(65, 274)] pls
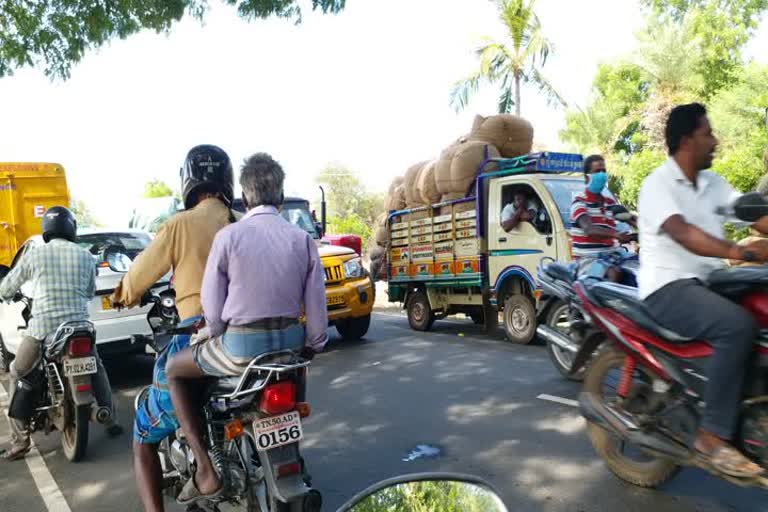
[(63, 279), (592, 205)]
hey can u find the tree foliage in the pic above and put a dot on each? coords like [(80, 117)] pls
[(157, 188), (56, 34), (83, 214), (444, 496), (510, 63)]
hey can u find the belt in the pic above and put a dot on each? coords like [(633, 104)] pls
[(268, 324)]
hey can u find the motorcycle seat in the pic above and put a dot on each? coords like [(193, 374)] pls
[(624, 300), (735, 282), (563, 272)]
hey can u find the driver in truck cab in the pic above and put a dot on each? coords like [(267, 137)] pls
[(63, 278), (262, 274), (182, 244), (593, 228)]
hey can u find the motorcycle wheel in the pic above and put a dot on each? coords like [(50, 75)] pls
[(74, 438), (557, 319), (601, 378)]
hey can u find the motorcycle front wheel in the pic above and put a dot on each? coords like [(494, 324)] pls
[(74, 438), (625, 461), (558, 319)]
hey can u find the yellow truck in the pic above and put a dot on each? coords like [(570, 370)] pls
[(27, 190)]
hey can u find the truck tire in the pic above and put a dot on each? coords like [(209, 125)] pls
[(420, 314), (519, 319), (353, 329)]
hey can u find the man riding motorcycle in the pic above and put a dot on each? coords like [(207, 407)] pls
[(64, 281), (683, 242), (182, 245), (262, 273)]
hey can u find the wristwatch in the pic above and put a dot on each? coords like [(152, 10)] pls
[(747, 255)]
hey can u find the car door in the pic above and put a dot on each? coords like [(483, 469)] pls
[(520, 250), (10, 313)]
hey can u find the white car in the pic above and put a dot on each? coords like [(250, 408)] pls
[(116, 331)]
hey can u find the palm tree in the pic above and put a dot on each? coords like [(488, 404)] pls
[(515, 61)]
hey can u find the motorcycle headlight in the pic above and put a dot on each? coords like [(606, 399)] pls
[(353, 268)]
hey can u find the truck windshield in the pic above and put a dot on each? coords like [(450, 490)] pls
[(563, 192), (299, 216)]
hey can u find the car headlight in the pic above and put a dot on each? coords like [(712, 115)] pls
[(353, 268)]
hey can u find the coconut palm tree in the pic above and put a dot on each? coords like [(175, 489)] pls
[(510, 63)]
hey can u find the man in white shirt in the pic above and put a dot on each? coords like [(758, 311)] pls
[(682, 243), (521, 209)]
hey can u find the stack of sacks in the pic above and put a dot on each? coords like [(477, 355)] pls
[(412, 197), (377, 247), (426, 186)]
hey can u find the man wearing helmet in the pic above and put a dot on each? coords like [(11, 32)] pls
[(181, 245), (64, 277)]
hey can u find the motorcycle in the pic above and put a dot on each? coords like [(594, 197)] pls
[(253, 428), (58, 393), (645, 391), (564, 328)]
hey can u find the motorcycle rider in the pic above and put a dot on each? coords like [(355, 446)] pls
[(593, 229), (261, 273), (683, 242), (63, 279), (181, 245)]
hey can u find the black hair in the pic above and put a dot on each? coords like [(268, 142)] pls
[(590, 160), (683, 120)]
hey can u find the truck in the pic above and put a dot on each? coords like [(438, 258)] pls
[(455, 257), (27, 190)]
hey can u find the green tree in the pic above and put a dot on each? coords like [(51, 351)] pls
[(351, 207), (56, 34), (157, 188), (83, 214), (513, 62)]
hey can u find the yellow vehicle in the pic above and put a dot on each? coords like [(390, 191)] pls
[(27, 190)]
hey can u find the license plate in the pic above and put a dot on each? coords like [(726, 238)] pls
[(79, 366), (106, 304), (277, 430), (334, 300)]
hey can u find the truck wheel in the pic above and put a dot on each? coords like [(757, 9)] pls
[(519, 319), (353, 329), (420, 314)]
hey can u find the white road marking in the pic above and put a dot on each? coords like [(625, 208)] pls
[(559, 400), (46, 485)]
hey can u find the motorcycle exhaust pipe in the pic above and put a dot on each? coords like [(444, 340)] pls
[(595, 411), (559, 339)]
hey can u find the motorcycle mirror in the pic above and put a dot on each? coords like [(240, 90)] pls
[(117, 261), (750, 207), (427, 491)]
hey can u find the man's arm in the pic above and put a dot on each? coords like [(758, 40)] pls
[(315, 309), (511, 221), (213, 293), (761, 225), (153, 263), (701, 243), (591, 229), (15, 279)]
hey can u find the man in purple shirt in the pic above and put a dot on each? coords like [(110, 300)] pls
[(262, 274)]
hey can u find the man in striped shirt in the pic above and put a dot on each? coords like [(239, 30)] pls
[(593, 228)]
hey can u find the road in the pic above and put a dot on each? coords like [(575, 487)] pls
[(374, 402)]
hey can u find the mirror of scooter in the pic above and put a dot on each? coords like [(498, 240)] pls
[(415, 493), (750, 207), (117, 260)]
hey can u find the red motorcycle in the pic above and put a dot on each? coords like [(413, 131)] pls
[(642, 395)]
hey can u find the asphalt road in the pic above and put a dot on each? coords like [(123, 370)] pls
[(375, 402)]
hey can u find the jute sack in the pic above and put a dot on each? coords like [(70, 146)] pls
[(426, 185), (459, 164), (376, 252), (512, 135), (412, 197), (396, 182), (452, 196), (396, 200)]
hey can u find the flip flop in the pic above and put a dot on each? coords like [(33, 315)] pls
[(190, 494), (728, 460), (15, 453)]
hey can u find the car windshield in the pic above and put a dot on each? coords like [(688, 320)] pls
[(130, 244), (563, 192), (299, 216)]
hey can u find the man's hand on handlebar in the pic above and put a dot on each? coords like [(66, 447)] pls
[(625, 238), (759, 249)]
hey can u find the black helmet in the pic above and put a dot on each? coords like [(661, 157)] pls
[(59, 222), (207, 168)]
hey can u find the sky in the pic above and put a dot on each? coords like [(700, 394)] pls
[(368, 88)]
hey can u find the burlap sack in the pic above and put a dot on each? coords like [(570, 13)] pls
[(412, 197), (465, 160), (426, 185), (396, 182), (376, 252), (380, 236), (396, 200), (452, 196), (512, 135)]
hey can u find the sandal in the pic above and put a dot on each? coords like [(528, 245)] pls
[(730, 461), (190, 493), (15, 453)]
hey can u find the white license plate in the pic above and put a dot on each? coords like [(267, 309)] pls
[(277, 430), (79, 366)]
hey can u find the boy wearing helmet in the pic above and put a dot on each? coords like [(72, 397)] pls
[(64, 278), (181, 245)]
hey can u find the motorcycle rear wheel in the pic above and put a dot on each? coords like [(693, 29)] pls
[(557, 319), (74, 438), (611, 448)]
